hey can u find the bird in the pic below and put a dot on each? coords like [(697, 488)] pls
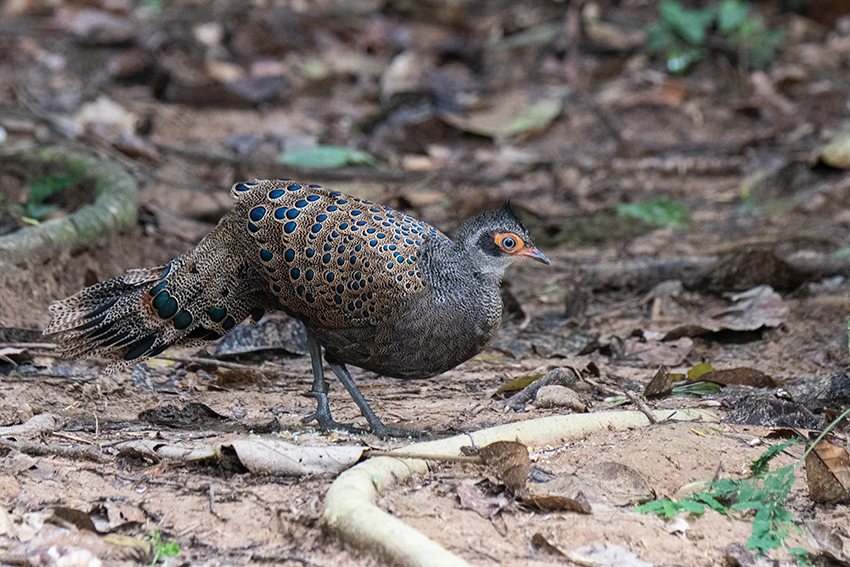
[(374, 288)]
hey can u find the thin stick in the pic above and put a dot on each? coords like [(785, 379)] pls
[(642, 406), (474, 459)]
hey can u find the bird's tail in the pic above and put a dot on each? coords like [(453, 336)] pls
[(197, 297)]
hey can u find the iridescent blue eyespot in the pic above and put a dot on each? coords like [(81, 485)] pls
[(299, 290), (336, 194), (276, 194), (295, 273), (294, 187), (326, 258), (313, 198), (300, 203), (322, 218), (158, 288), (258, 213), (309, 297), (373, 243), (292, 214), (343, 226), (168, 309), (341, 249), (332, 208), (252, 227), (340, 288), (340, 261), (329, 276), (341, 202), (182, 319), (361, 223), (160, 299), (355, 213), (315, 186), (280, 213), (370, 231), (266, 255), (216, 313), (289, 227), (289, 255), (309, 275), (310, 252), (337, 300), (316, 228), (390, 266), (381, 235), (242, 187)]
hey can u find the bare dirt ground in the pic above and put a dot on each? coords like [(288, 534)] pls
[(737, 147)]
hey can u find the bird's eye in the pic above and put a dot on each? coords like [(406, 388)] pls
[(509, 242)]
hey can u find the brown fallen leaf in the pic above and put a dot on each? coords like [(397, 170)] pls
[(617, 484), (660, 385), (743, 376), (828, 473), (563, 493), (509, 461), (482, 498), (654, 353), (542, 545)]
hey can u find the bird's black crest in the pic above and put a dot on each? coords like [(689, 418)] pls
[(509, 209)]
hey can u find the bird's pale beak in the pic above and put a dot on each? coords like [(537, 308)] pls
[(533, 252)]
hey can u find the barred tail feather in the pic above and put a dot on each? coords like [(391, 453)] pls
[(197, 298)]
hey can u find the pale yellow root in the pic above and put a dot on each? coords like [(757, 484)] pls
[(350, 508)]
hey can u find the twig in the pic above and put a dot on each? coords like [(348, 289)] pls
[(72, 438), (87, 454), (642, 406), (473, 459), (605, 389)]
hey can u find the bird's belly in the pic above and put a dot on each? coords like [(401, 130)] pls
[(411, 349)]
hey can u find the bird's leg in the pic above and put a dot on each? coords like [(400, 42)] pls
[(322, 414), (375, 424)]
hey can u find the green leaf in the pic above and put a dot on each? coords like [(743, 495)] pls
[(699, 370), (325, 157), (44, 187), (760, 466), (663, 213), (697, 389), (690, 25), (731, 14)]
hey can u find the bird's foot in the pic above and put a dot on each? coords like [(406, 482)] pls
[(322, 416), (384, 431)]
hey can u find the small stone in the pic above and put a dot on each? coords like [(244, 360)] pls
[(559, 397)]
